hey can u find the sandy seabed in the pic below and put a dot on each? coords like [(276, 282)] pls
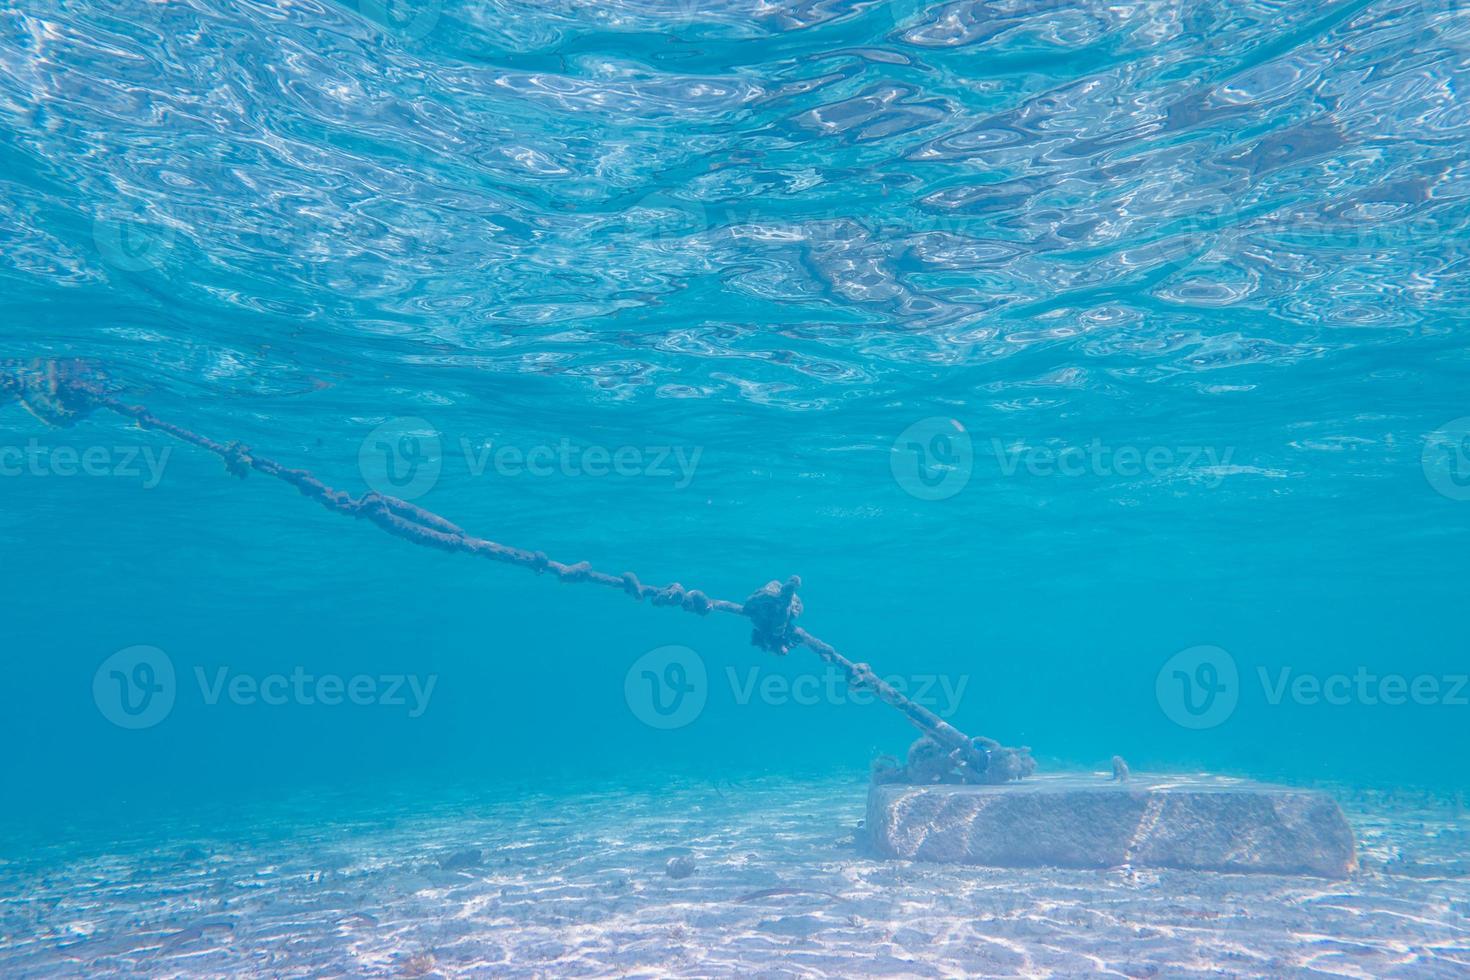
[(548, 886)]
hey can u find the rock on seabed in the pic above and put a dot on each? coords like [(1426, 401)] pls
[(1190, 822)]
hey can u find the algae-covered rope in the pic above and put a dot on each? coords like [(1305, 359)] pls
[(60, 392)]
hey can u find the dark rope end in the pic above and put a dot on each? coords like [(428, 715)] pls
[(58, 391)]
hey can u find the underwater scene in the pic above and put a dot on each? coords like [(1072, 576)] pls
[(698, 488)]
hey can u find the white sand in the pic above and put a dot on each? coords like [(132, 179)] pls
[(573, 887)]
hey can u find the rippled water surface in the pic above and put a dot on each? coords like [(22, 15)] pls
[(797, 206)]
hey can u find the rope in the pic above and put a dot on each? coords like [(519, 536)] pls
[(61, 392)]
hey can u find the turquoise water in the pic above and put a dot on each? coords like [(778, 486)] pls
[(1099, 368)]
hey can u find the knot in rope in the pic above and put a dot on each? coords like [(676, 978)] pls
[(669, 595), (237, 459), (771, 610), (371, 504)]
